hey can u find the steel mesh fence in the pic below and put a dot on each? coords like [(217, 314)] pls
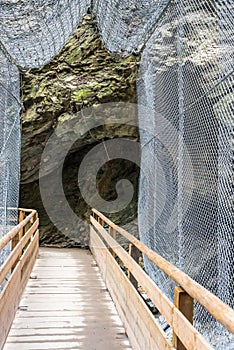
[(126, 24), (189, 60), (34, 31), (9, 147)]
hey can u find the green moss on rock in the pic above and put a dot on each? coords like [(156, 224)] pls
[(83, 74), (83, 94)]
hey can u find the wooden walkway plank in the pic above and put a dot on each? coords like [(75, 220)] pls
[(66, 306)]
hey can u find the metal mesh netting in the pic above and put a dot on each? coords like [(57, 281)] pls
[(34, 31), (188, 61), (157, 85), (9, 147), (186, 83), (126, 25)]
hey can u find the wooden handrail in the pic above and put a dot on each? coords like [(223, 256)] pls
[(186, 332), (216, 307), (17, 209), (17, 267), (143, 330), (9, 263), (15, 230)]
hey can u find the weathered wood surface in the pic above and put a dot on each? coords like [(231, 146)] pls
[(66, 306)]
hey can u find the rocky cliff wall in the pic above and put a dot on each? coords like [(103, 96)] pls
[(82, 75)]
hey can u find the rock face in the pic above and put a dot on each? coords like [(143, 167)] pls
[(82, 75)]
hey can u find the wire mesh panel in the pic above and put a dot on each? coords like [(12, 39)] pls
[(190, 52), (9, 147), (158, 81), (34, 31), (125, 25)]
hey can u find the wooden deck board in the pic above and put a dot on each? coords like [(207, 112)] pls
[(66, 306)]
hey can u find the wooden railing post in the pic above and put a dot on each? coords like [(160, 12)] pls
[(34, 218), (185, 303), (100, 221), (135, 254), (21, 218), (112, 233), (18, 237)]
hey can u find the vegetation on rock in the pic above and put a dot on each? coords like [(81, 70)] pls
[(82, 75)]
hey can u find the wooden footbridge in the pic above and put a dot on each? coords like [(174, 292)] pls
[(81, 299)]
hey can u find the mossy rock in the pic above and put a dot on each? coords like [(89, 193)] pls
[(83, 74)]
